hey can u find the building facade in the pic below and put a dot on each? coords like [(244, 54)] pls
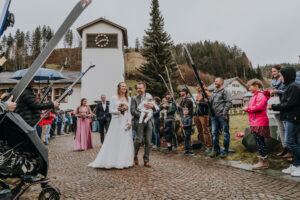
[(103, 44)]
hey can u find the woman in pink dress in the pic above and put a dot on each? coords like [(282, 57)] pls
[(83, 139)]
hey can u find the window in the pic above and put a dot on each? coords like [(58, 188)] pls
[(58, 92)]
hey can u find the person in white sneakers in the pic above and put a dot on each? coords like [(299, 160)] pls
[(289, 108)]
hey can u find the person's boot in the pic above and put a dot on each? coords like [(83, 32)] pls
[(262, 163), (288, 154), (283, 152)]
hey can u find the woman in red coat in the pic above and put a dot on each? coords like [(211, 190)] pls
[(259, 121)]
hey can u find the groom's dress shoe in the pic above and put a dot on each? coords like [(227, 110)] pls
[(147, 164), (136, 161)]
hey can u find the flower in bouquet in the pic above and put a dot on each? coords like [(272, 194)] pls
[(123, 108)]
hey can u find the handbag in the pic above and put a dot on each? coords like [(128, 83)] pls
[(273, 100)]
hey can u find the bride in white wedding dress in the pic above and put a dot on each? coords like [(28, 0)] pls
[(117, 150)]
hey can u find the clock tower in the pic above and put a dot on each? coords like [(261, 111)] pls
[(103, 45)]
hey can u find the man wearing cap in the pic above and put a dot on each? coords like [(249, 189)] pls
[(185, 102)]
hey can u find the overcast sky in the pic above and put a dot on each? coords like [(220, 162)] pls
[(267, 30)]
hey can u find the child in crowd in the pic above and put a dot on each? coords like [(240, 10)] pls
[(187, 125), (259, 121), (163, 112), (146, 114)]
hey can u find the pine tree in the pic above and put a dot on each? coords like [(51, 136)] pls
[(259, 73), (4, 43), (49, 34), (156, 50), (36, 42), (44, 36), (18, 50), (68, 39)]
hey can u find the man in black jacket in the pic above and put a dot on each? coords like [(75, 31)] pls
[(289, 108), (29, 108), (103, 116)]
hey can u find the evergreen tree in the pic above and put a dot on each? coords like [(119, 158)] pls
[(36, 42), (18, 50), (68, 39), (10, 45), (156, 50), (259, 73), (3, 43), (49, 34), (44, 36)]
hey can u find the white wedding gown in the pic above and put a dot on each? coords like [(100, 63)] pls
[(117, 150)]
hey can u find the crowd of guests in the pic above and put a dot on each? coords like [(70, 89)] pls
[(167, 125), (209, 112), (56, 123)]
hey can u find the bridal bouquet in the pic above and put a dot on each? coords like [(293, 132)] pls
[(123, 108)]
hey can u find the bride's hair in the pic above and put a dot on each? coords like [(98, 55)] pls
[(119, 91)]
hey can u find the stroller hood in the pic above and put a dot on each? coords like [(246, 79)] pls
[(15, 130)]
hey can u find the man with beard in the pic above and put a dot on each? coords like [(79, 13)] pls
[(185, 102), (221, 102)]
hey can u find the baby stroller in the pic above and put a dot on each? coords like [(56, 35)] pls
[(23, 156)]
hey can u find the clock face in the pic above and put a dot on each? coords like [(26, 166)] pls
[(102, 40)]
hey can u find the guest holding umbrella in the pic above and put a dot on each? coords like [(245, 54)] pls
[(83, 139)]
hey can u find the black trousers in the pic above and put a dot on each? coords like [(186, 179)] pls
[(103, 126), (52, 130), (59, 125)]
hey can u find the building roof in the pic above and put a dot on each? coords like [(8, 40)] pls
[(101, 19), (212, 87), (238, 96), (70, 77)]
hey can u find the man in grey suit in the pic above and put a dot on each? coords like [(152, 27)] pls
[(142, 129)]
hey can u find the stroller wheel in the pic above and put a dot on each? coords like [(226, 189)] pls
[(49, 193)]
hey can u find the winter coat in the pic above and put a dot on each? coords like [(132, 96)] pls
[(257, 109), (3, 108), (68, 119), (186, 103), (202, 108), (171, 110), (187, 123), (289, 106), (221, 101), (47, 120), (29, 108), (278, 85)]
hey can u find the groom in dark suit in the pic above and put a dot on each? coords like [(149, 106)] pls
[(142, 129), (103, 116)]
